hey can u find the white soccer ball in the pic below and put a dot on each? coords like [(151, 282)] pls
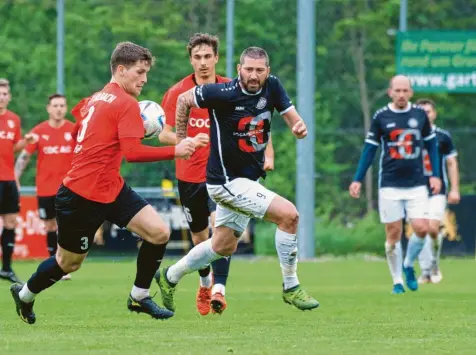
[(153, 116)]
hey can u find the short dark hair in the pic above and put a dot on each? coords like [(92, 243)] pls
[(4, 83), (426, 102), (128, 53), (55, 96), (199, 39), (254, 53)]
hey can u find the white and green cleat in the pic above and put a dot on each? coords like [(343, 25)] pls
[(299, 298)]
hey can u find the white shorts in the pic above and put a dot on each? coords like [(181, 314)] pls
[(238, 201), (437, 207), (394, 202)]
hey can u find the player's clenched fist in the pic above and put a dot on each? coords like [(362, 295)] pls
[(354, 189), (300, 129), (31, 138), (201, 140), (185, 149)]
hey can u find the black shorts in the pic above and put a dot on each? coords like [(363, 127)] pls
[(9, 197), (79, 218), (46, 207), (196, 204)]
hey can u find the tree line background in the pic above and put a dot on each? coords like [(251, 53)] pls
[(355, 57)]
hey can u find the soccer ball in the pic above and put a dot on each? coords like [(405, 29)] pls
[(153, 116)]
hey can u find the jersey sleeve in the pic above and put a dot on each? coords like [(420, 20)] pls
[(17, 131), (130, 123), (427, 132), (281, 100), (31, 148), (169, 104), (210, 95), (77, 110), (374, 133), (448, 148)]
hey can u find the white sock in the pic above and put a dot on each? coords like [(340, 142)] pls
[(426, 256), (218, 288), (394, 260), (414, 247), (138, 293), (206, 281), (438, 250), (286, 246), (26, 295), (197, 258)]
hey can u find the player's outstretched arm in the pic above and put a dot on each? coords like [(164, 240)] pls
[(29, 138), (269, 156), (296, 123), (431, 146), (365, 161), (135, 152), (453, 174), (185, 102), (168, 136), (21, 163)]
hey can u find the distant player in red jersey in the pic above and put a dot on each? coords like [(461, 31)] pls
[(10, 142), (191, 174), (109, 127), (54, 145)]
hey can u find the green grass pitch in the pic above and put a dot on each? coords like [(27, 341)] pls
[(358, 315)]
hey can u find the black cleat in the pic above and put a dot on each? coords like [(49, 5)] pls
[(147, 305), (9, 276), (24, 310)]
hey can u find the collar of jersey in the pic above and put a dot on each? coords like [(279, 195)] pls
[(408, 108)]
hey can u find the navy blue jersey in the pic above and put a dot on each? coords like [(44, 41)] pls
[(446, 149), (240, 125), (401, 135)]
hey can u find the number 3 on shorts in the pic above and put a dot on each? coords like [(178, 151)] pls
[(85, 242)]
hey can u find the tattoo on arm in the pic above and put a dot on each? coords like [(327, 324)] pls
[(21, 163), (184, 103)]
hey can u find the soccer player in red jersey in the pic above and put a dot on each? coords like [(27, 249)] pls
[(191, 174), (54, 145), (10, 142), (109, 127)]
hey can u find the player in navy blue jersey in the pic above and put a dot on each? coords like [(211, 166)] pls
[(240, 113), (402, 130), (430, 255)]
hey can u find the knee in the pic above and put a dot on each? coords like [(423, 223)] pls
[(433, 231), (225, 247), (11, 222), (393, 234), (68, 265), (290, 220), (421, 229), (158, 234), (200, 237)]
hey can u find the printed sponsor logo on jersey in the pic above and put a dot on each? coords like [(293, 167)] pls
[(253, 132), (11, 124), (239, 108), (412, 122), (57, 149), (7, 135), (391, 125), (199, 122), (261, 103), (403, 145), (68, 136)]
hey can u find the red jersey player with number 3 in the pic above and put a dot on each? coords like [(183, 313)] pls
[(109, 127), (191, 174)]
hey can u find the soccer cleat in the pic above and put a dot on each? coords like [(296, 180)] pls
[(24, 309), (218, 303), (424, 279), (398, 289), (299, 298), (9, 276), (167, 289), (436, 276), (147, 305), (204, 297), (410, 279), (66, 277)]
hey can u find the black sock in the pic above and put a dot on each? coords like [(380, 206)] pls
[(148, 262), (220, 270), (8, 243), (52, 242), (46, 275), (204, 272)]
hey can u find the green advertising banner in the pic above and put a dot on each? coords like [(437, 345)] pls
[(438, 61)]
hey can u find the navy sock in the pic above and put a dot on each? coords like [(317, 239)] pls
[(52, 242), (8, 243), (221, 268), (148, 262), (47, 274)]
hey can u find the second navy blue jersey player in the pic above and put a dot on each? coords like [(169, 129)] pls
[(240, 127)]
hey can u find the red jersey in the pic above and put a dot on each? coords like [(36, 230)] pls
[(10, 134), (194, 169), (55, 151), (104, 118)]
